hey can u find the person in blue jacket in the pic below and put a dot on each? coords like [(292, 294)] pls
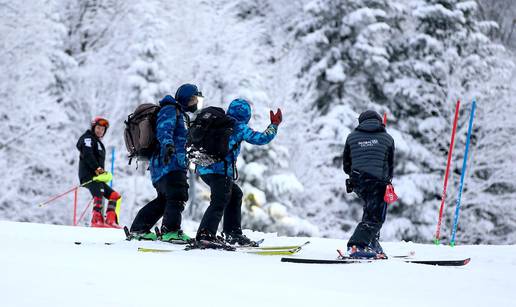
[(226, 195), (168, 167)]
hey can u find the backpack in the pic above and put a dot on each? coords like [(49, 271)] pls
[(207, 140), (140, 132)]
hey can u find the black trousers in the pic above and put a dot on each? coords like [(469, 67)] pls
[(367, 232), (226, 200), (172, 192)]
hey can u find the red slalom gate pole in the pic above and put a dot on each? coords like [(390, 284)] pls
[(84, 211), (75, 207), (56, 197), (443, 197), (63, 194)]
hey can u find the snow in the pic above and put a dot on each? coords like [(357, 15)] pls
[(41, 266)]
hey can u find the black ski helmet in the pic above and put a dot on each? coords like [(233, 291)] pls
[(369, 114)]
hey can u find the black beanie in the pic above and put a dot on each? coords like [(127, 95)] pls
[(368, 115)]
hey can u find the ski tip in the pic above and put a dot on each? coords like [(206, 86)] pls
[(467, 260), (127, 233), (77, 243)]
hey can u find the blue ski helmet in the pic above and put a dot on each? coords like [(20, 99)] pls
[(185, 93)]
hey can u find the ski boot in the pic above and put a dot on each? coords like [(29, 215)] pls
[(205, 239), (377, 248), (112, 220), (97, 220), (355, 252), (140, 235), (176, 237), (237, 237)]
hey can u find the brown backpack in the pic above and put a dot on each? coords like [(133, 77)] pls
[(140, 132)]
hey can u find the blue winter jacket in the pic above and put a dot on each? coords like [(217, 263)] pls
[(170, 129), (239, 110)]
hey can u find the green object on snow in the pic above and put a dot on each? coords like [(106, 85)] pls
[(104, 177)]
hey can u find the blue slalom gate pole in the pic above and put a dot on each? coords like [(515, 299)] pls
[(112, 165), (464, 163)]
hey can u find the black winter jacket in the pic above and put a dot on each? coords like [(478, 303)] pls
[(93, 155), (370, 149)]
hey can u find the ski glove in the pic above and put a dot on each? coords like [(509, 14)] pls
[(276, 118), (170, 150)]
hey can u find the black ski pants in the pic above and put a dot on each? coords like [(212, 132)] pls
[(367, 232), (172, 192), (226, 200), (99, 189)]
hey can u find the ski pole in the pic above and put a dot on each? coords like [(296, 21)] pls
[(464, 163), (63, 194), (443, 197), (112, 165)]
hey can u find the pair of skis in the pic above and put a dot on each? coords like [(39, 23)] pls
[(403, 258), (258, 250), (192, 245)]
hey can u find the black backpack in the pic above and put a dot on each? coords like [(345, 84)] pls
[(140, 132), (208, 136)]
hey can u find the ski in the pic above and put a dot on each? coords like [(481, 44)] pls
[(276, 252), (408, 255), (459, 262), (105, 243), (279, 247), (154, 250), (205, 244)]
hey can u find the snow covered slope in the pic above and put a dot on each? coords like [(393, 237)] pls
[(41, 266)]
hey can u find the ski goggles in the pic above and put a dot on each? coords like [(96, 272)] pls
[(101, 122), (197, 100)]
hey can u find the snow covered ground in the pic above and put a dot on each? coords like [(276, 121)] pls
[(41, 266)]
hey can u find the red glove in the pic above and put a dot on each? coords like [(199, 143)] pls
[(390, 196), (276, 118)]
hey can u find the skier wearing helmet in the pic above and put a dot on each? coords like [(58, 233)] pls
[(226, 195), (168, 167), (91, 164)]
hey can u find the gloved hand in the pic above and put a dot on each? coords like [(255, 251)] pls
[(170, 150), (349, 186), (99, 171), (276, 118)]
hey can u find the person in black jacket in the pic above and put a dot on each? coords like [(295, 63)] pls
[(369, 161), (91, 164)]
